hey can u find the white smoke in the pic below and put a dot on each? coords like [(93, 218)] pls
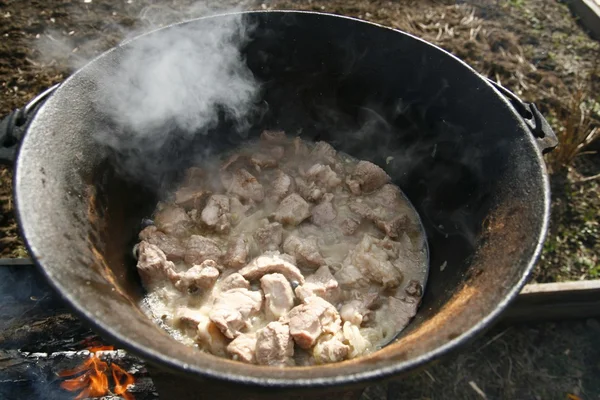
[(182, 76)]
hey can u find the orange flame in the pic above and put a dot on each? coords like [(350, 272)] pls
[(92, 377)]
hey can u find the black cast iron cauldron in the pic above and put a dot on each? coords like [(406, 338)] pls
[(467, 153)]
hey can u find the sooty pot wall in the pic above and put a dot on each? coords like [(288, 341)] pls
[(449, 140)]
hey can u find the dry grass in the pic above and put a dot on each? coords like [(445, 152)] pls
[(578, 127)]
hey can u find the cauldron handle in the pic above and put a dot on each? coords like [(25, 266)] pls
[(13, 126), (539, 127)]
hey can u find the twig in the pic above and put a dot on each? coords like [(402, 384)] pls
[(477, 389), (588, 178), (492, 340)]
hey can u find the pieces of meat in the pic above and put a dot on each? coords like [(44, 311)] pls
[(374, 262), (170, 245), (357, 311), (309, 320), (274, 345), (308, 190), (330, 349), (201, 276), (305, 251), (324, 151), (278, 152), (279, 297), (153, 265), (237, 252), (243, 348), (242, 183), (233, 281), (216, 213), (269, 263), (261, 160), (350, 276), (323, 213), (369, 176), (238, 210), (272, 136), (322, 284), (300, 148), (210, 338), (292, 210), (323, 176), (349, 225), (393, 227), (268, 238), (282, 186), (199, 249), (232, 309), (414, 288), (172, 220), (191, 198)]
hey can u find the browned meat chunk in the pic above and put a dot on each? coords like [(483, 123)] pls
[(269, 237), (323, 176), (373, 261), (394, 227), (243, 348), (308, 190), (324, 212), (414, 288), (245, 185), (191, 198), (349, 275), (324, 151), (369, 176), (357, 311), (279, 297), (232, 309), (153, 265), (282, 186), (201, 276), (272, 136), (277, 152), (305, 251), (199, 249), (274, 345), (170, 245), (300, 148), (309, 320), (292, 210), (349, 225), (260, 161), (330, 349), (322, 284), (237, 253), (233, 281), (172, 220), (216, 213), (269, 263)]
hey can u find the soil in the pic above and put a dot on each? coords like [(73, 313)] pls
[(533, 47)]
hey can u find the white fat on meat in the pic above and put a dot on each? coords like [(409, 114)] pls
[(330, 348), (216, 213)]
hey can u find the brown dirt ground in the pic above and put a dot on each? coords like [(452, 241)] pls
[(534, 47)]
